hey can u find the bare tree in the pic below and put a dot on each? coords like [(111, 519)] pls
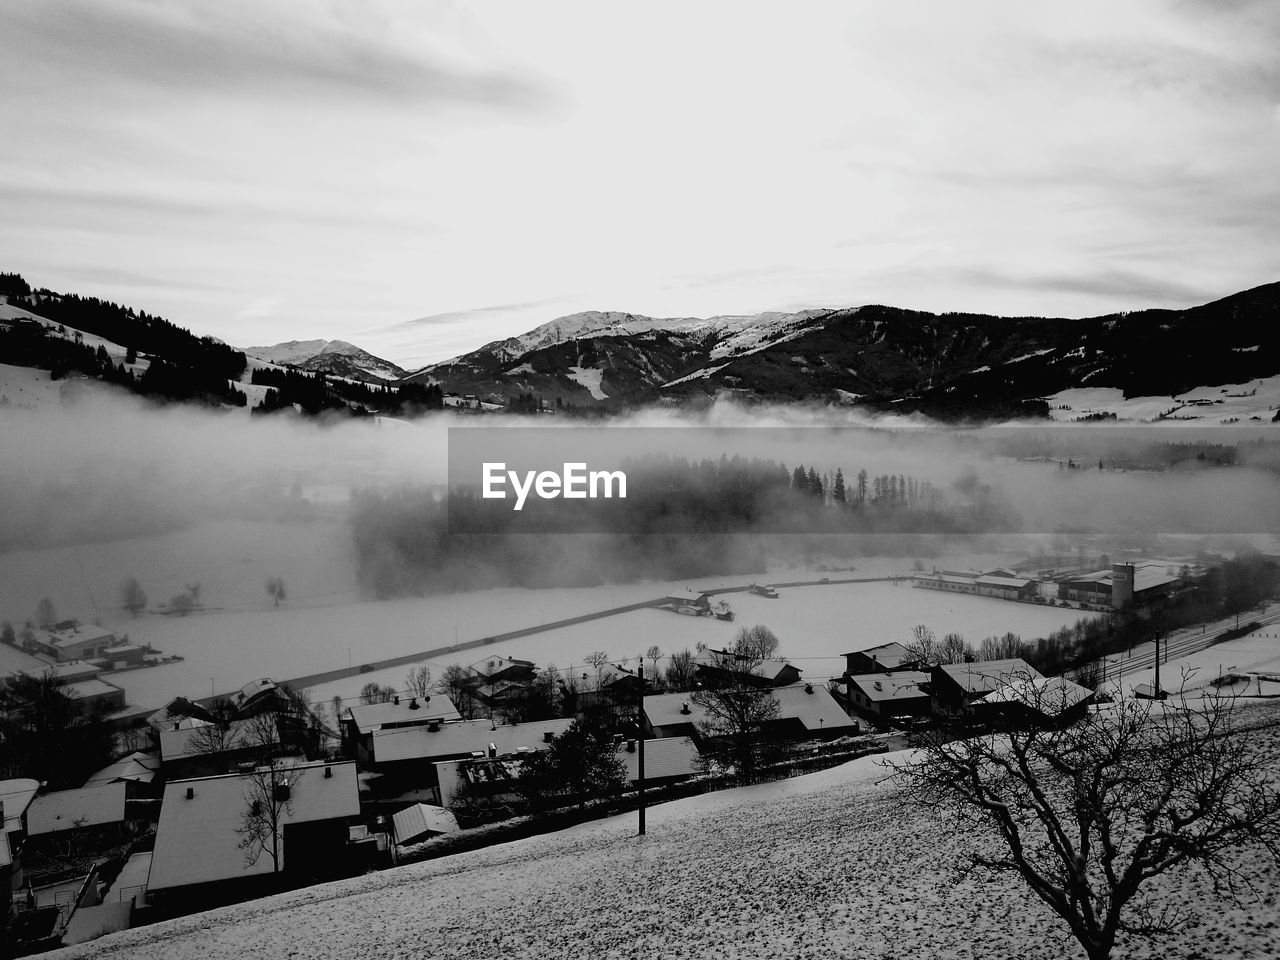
[(1001, 648), (923, 645), (193, 590), (1087, 814), (737, 712), (46, 616), (599, 660), (373, 692), (457, 684), (133, 598), (181, 604), (268, 792), (953, 649), (418, 682), (275, 589), (219, 735), (654, 653), (680, 672), (757, 643)]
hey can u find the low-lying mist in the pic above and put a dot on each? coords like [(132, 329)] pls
[(111, 466)]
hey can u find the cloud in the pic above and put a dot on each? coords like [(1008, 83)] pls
[(253, 48)]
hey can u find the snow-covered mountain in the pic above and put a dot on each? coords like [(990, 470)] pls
[(335, 357), (951, 364)]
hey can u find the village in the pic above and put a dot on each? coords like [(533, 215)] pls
[(217, 800)]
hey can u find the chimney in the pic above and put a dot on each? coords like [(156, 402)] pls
[(808, 688), (191, 793), (413, 704), (493, 750), (328, 773), (433, 726), (631, 746), (396, 700), (684, 708), (547, 736), (281, 792)]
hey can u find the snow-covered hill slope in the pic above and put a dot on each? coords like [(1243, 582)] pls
[(829, 865), (335, 357)]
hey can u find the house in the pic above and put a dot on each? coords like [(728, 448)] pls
[(70, 671), (15, 799), (805, 710), (257, 696), (78, 642), (63, 810), (190, 748), (501, 683), (955, 686), (407, 757), (886, 697), (122, 656), (359, 722), (887, 656), (421, 821), (198, 846), (96, 694), (716, 667), (1002, 583), (1034, 701)]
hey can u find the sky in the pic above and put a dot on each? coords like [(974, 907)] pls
[(423, 177)]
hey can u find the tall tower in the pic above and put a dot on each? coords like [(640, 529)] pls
[(1122, 575)]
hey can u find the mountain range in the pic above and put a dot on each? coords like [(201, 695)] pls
[(949, 364), (334, 357)]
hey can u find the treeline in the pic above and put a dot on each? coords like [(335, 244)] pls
[(680, 519), (137, 330), (314, 393), (32, 346)]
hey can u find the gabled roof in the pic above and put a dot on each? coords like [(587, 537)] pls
[(196, 839), (1050, 696), (415, 822), (663, 757), (885, 687), (725, 660), (184, 741), (994, 580), (252, 691), (888, 655), (139, 767), (72, 809), (811, 704), (373, 716), (461, 737), (983, 676), (16, 795), (174, 712)]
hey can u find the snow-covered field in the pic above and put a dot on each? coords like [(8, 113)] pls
[(1255, 655), (828, 865), (1234, 402), (324, 625)]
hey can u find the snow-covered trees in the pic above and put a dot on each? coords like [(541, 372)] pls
[(1088, 814)]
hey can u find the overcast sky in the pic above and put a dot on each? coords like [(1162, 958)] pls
[(422, 177)]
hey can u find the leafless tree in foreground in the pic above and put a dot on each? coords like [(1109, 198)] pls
[(1089, 813), (268, 792)]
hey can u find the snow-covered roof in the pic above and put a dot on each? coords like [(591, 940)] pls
[(71, 809), (416, 821), (884, 687), (461, 737), (140, 767), (1050, 696), (373, 716), (196, 839), (69, 671), (185, 740), (15, 796), (811, 704), (983, 676), (93, 687), (85, 633), (995, 580), (888, 655)]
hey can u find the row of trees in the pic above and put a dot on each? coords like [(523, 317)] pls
[(882, 491)]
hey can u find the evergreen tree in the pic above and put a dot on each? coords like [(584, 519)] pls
[(837, 489)]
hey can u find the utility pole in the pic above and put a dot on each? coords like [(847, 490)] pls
[(1157, 690), (640, 747)]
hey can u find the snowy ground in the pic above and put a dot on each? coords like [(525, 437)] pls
[(1255, 655), (1234, 402), (827, 865), (324, 624)]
